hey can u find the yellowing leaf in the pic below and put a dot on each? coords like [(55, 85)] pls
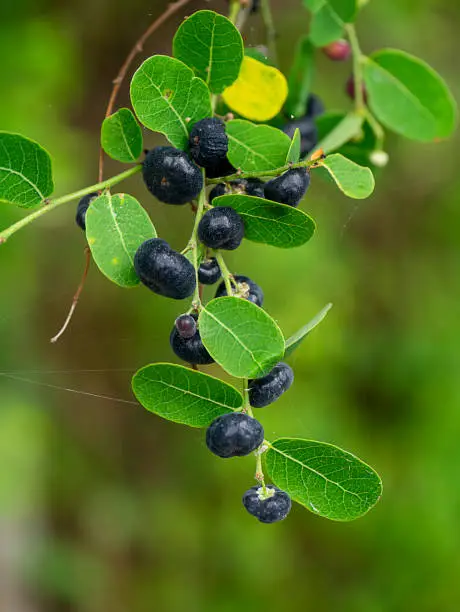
[(259, 92)]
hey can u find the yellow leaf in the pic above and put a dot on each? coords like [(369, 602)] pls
[(259, 92)]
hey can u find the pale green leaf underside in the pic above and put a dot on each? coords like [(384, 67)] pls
[(116, 226), (353, 180), (25, 171), (212, 46), (296, 339), (121, 136), (240, 336), (293, 155), (408, 96), (168, 98), (256, 148), (325, 479), (347, 129), (270, 222), (184, 396)]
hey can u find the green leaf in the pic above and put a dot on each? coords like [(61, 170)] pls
[(121, 136), (344, 9), (300, 78), (293, 155), (25, 171), (408, 96), (325, 479), (116, 226), (359, 148), (212, 46), (256, 147), (169, 99), (349, 127), (240, 336), (184, 396), (296, 339), (270, 222), (314, 5), (326, 27), (353, 180)]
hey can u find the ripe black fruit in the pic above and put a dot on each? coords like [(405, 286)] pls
[(247, 288), (209, 272), (222, 168), (221, 228), (266, 390), (234, 435), (208, 142), (289, 188), (185, 326), (270, 509), (190, 349), (83, 205), (171, 176), (164, 270), (315, 106), (252, 187)]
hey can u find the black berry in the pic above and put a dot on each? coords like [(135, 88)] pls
[(247, 288), (315, 106), (269, 507), (190, 349), (266, 390), (289, 188), (234, 435), (208, 142), (171, 176), (252, 187), (164, 270), (221, 228), (209, 272), (186, 326), (308, 133), (338, 51), (222, 168), (82, 207)]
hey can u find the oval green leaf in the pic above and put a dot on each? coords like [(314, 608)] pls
[(270, 222), (240, 336), (25, 171), (184, 396), (256, 148), (121, 136), (325, 479), (296, 339), (408, 96), (353, 180), (116, 226), (169, 99), (212, 46), (325, 27)]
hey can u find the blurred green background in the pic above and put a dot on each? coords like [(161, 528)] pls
[(103, 506)]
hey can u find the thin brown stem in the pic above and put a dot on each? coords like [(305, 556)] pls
[(137, 48), (76, 297)]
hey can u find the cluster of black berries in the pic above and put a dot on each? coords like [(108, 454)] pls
[(238, 434)]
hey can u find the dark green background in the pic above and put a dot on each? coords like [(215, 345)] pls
[(104, 507)]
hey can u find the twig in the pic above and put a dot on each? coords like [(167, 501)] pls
[(76, 297), (137, 48)]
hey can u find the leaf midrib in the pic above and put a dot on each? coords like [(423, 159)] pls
[(188, 392), (34, 187)]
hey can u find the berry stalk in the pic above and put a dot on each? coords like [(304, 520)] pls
[(225, 272), (357, 67), (310, 163), (194, 241), (50, 205)]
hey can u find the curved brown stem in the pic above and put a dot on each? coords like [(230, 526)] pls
[(137, 48), (76, 297)]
